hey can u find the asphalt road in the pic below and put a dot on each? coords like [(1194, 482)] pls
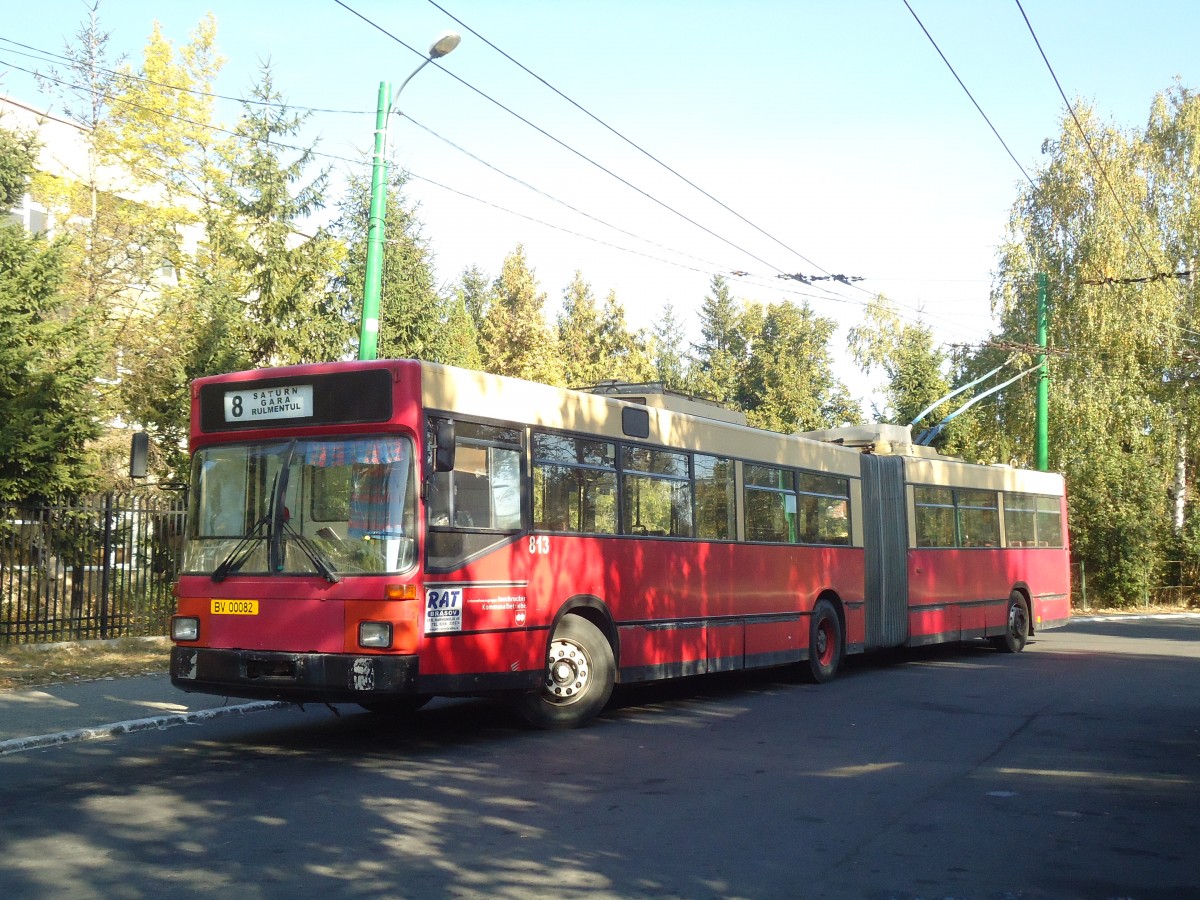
[(1070, 770)]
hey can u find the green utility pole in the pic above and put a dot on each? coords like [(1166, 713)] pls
[(1043, 385), (368, 335)]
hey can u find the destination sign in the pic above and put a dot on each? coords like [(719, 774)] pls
[(291, 401)]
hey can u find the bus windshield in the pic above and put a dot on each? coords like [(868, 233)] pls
[(330, 507)]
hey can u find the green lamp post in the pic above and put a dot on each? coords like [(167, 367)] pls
[(368, 336)]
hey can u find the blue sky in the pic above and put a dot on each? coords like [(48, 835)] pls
[(832, 126)]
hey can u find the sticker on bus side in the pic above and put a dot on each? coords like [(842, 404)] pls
[(234, 607), (443, 610), (293, 401)]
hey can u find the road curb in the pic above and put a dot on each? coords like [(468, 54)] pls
[(131, 726), (1134, 617)]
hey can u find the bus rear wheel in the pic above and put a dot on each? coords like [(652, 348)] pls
[(1016, 629), (578, 678), (824, 642)]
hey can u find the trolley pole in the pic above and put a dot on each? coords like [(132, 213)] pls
[(1043, 385)]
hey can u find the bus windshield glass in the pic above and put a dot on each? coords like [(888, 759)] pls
[(329, 507)]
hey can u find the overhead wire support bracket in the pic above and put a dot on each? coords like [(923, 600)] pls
[(809, 279), (1143, 279)]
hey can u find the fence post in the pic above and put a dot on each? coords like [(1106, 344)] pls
[(1083, 583), (106, 565)]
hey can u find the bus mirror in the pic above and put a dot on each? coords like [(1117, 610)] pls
[(139, 454), (443, 453)]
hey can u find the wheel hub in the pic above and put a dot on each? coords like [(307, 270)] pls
[(1016, 620), (567, 671)]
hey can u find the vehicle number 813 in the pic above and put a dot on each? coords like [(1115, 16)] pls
[(539, 544)]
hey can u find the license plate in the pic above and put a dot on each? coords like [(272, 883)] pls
[(235, 607)]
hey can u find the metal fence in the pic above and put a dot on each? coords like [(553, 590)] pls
[(1176, 587), (95, 567)]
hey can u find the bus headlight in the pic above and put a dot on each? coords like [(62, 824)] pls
[(185, 628), (375, 634)]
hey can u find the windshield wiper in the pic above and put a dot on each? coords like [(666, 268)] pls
[(241, 550), (320, 563), (279, 511), (276, 525)]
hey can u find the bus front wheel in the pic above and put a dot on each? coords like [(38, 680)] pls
[(1016, 628), (578, 678), (824, 642)]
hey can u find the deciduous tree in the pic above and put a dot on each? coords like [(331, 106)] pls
[(1101, 232), (914, 367)]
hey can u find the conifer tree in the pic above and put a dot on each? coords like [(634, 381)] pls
[(670, 364), (474, 291), (411, 313), (49, 359), (789, 384), (515, 339), (259, 225), (724, 345), (626, 354), (579, 336)]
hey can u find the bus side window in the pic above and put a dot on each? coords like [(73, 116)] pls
[(1049, 522), (483, 490), (574, 484), (978, 518), (935, 516), (656, 492), (770, 502), (716, 503)]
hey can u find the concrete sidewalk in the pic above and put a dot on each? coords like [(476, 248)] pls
[(65, 713)]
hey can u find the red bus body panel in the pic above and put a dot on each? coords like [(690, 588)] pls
[(663, 596), (957, 594)]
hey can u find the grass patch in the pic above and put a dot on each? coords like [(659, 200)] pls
[(34, 665)]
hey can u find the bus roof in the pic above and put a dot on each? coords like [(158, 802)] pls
[(501, 398)]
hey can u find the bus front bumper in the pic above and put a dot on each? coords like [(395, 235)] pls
[(293, 677)]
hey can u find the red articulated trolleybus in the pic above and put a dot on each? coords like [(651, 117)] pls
[(384, 532)]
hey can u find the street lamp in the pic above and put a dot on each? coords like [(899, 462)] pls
[(368, 336)]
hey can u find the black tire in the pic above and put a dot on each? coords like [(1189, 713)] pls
[(404, 705), (825, 645), (1016, 627), (578, 679)]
